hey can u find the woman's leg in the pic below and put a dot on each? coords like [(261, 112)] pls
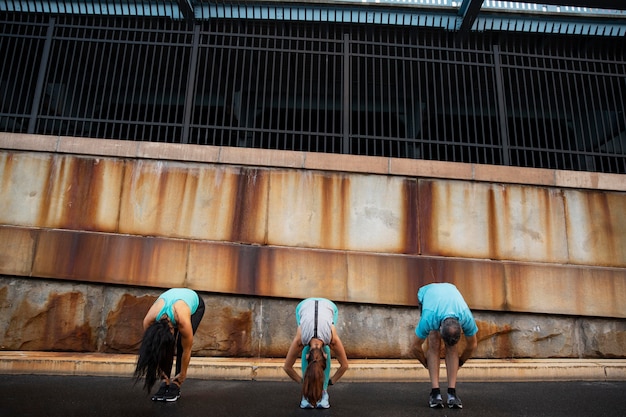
[(196, 318), (327, 370)]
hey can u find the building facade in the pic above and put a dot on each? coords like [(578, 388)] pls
[(262, 153)]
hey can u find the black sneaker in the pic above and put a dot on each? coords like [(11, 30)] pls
[(454, 401), (172, 394), (160, 394), (435, 401)]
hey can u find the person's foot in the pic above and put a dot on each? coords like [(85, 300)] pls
[(160, 394), (323, 403), (304, 403), (454, 401), (435, 401), (172, 394)]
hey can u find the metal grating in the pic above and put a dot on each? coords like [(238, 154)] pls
[(521, 100)]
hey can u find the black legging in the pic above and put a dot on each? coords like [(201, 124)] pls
[(195, 322)]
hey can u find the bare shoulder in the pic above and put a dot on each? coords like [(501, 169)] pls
[(151, 315), (182, 312)]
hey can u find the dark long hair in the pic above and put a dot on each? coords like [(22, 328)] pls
[(313, 384), (156, 353)]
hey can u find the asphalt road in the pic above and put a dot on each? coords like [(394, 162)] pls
[(51, 396)]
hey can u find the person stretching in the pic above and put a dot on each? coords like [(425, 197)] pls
[(169, 327), (315, 336), (443, 314)]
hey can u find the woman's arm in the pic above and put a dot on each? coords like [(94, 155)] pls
[(292, 356), (340, 352)]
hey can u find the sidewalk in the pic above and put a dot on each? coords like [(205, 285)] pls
[(361, 370)]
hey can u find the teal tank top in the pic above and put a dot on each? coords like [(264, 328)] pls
[(171, 296)]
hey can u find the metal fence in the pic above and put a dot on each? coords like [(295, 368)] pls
[(505, 99)]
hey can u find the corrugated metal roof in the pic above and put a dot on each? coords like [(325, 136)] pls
[(445, 14)]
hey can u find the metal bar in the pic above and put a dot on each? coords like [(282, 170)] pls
[(347, 99), (190, 90), (32, 122), (502, 116)]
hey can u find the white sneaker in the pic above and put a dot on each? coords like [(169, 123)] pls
[(304, 403), (324, 401)]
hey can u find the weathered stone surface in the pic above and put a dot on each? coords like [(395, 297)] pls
[(42, 315), (61, 316), (603, 338), (526, 336), (124, 321)]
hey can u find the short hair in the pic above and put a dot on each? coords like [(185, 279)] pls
[(450, 331)]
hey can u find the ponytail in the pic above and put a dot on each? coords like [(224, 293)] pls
[(313, 384)]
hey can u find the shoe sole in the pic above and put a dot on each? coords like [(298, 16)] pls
[(436, 405), (455, 406), (171, 400)]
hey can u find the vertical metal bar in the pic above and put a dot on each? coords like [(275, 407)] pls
[(531, 108), (143, 103), (280, 100), (224, 125), (436, 71), (347, 101), (459, 133), (267, 102), (603, 95), (575, 114), (553, 151), (502, 117), (544, 129), (444, 68), (272, 100), (32, 122), (190, 92), (147, 82)]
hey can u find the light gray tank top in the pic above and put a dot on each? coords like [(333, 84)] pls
[(316, 319)]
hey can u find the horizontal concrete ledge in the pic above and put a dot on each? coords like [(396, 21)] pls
[(361, 370), (312, 161)]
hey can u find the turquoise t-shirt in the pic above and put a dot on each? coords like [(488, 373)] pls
[(171, 296), (440, 301)]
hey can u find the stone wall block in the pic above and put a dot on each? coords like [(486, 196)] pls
[(227, 328), (195, 201), (124, 321), (42, 315), (492, 221), (603, 338), (526, 336), (340, 211), (596, 227)]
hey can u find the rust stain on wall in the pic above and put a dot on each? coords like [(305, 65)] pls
[(125, 323), (249, 205), (411, 209), (59, 324), (237, 330), (110, 258), (224, 332), (501, 335), (335, 193), (7, 170), (427, 218), (248, 258)]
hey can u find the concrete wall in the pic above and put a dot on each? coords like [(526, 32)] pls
[(92, 230)]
